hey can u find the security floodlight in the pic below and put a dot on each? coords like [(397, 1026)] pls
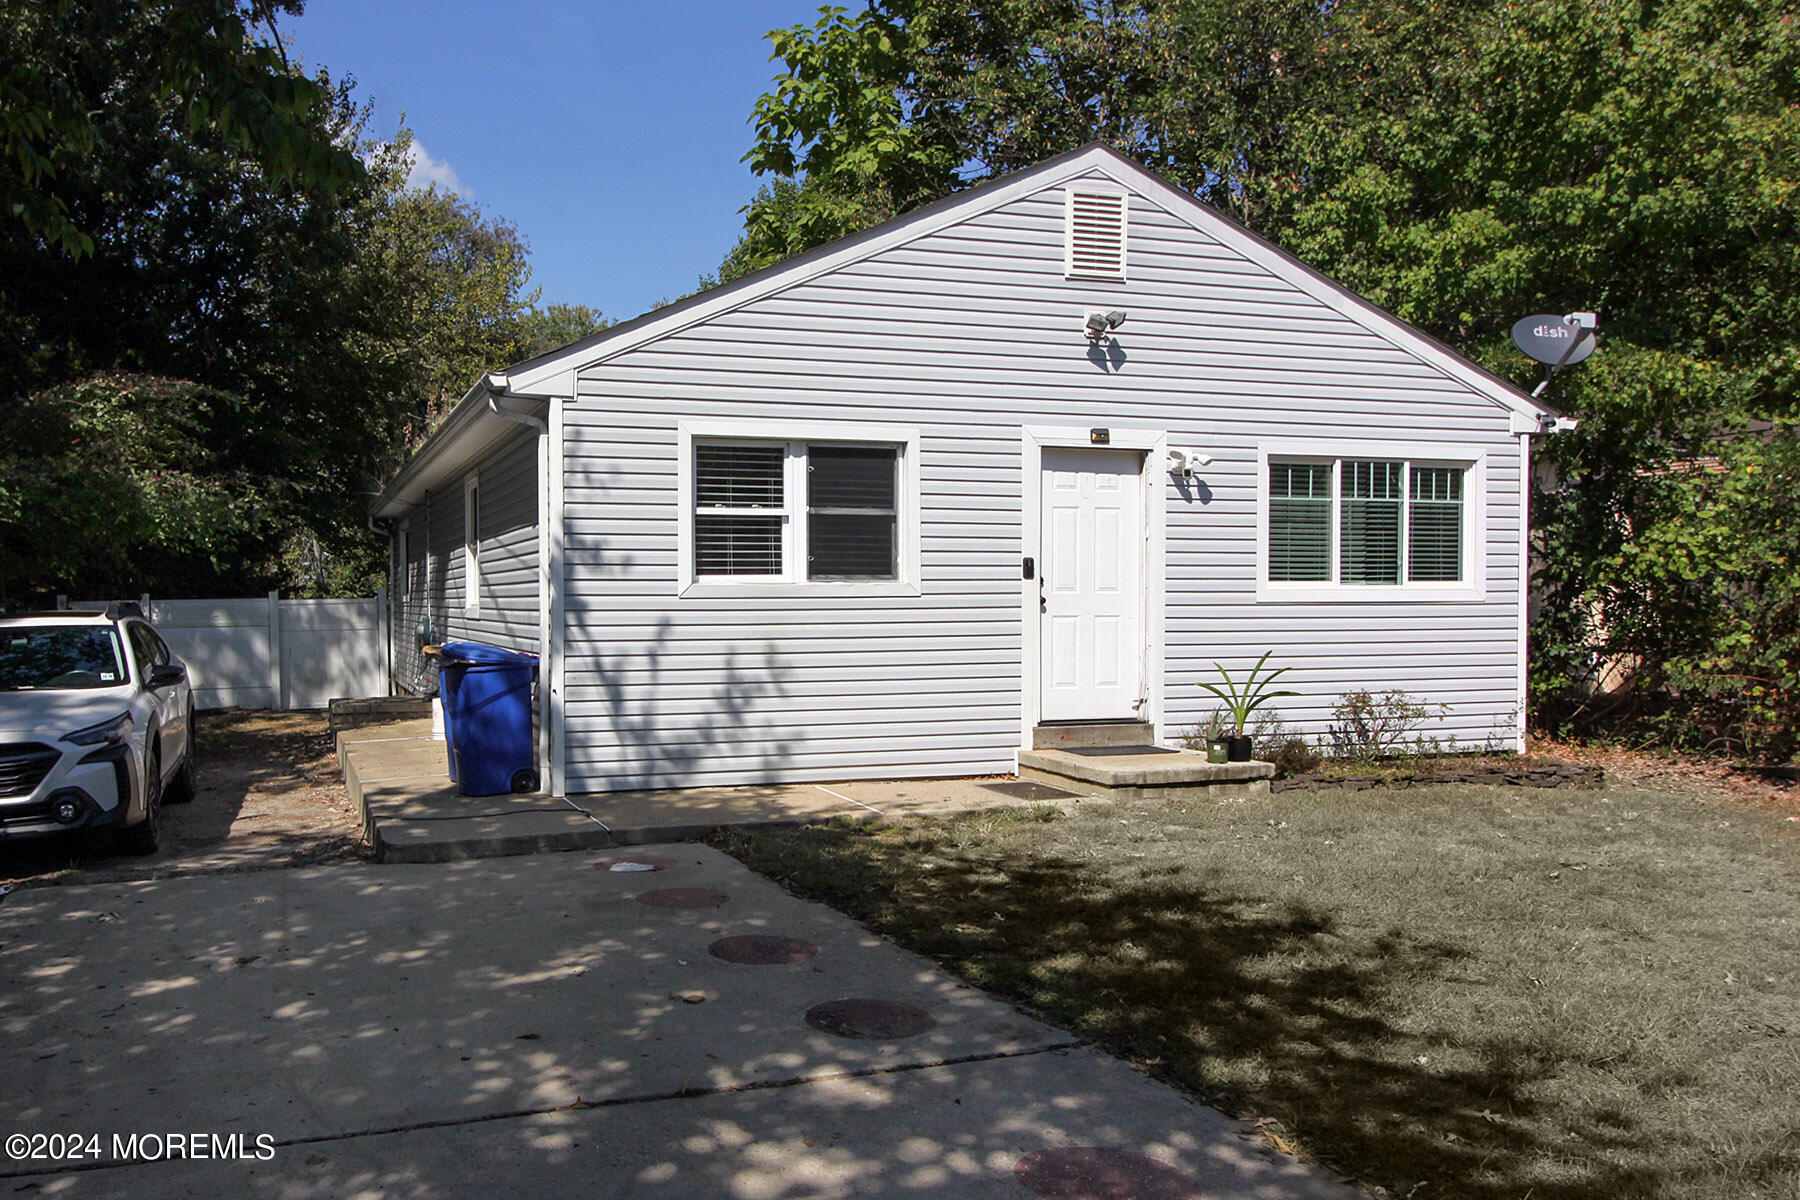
[(1097, 322), (1182, 462)]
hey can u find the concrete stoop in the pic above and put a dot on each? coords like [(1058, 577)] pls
[(1156, 776)]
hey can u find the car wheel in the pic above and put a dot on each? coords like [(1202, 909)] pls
[(143, 837), (183, 788)]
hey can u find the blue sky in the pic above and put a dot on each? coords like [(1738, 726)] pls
[(609, 133)]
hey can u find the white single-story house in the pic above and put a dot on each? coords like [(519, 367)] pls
[(1041, 453)]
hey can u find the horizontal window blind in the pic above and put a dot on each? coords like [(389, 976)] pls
[(738, 476), (737, 545), (1434, 525), (1299, 522), (1369, 522), (735, 487)]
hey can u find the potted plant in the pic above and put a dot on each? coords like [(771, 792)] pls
[(1218, 746), (1243, 700)]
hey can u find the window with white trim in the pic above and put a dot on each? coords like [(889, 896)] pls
[(795, 511), (472, 544), (1367, 522)]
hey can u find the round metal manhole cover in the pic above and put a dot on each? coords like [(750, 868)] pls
[(762, 949), (684, 898), (637, 863), (876, 1020), (1102, 1173)]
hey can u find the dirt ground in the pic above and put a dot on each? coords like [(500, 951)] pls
[(1717, 779), (270, 795)]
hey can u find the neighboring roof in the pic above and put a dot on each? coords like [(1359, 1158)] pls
[(552, 373)]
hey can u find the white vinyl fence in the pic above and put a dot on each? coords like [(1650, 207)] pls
[(268, 652)]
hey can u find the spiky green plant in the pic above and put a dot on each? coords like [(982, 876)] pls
[(1252, 695)]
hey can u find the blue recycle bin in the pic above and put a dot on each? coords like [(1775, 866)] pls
[(487, 718)]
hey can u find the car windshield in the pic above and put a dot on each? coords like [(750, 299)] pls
[(55, 657)]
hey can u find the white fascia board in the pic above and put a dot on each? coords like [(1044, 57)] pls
[(1322, 288), (953, 209)]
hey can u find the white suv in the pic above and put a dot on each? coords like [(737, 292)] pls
[(96, 726)]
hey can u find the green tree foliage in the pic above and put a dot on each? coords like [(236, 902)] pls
[(556, 325), (449, 282), (62, 63), (91, 460), (1460, 162), (319, 317)]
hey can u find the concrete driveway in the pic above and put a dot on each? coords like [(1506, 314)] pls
[(559, 1025)]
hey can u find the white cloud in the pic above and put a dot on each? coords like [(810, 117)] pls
[(422, 170)]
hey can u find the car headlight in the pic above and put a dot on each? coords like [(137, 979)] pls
[(116, 730)]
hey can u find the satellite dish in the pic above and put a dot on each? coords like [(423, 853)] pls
[(1552, 340)]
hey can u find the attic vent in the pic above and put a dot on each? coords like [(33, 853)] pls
[(1096, 234)]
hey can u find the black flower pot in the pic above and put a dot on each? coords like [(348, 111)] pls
[(1237, 749)]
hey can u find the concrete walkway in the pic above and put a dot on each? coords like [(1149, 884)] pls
[(397, 776), (567, 1025)]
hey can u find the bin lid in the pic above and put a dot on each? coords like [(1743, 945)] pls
[(481, 652)]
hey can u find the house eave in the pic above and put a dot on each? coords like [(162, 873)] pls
[(467, 432)]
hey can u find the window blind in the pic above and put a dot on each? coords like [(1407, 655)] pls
[(1369, 522), (1299, 522), (735, 533), (1434, 525)]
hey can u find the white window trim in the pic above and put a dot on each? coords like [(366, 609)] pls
[(472, 544), (1473, 459), (792, 582), (1110, 192)]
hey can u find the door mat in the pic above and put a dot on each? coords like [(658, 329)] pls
[(1025, 789), (1110, 751)]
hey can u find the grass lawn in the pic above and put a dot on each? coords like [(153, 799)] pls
[(1448, 991)]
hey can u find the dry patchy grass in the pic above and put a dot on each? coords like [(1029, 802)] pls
[(1469, 992)]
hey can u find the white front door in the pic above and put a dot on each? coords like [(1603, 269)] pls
[(1092, 548)]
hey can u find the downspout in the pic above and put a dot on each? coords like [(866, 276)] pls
[(497, 384), (1525, 427)]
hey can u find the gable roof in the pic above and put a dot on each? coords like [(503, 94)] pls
[(551, 373)]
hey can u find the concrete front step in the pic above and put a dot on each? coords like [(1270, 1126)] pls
[(1061, 735), (1172, 775)]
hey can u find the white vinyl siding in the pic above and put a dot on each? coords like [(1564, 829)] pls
[(501, 544), (504, 539), (965, 336)]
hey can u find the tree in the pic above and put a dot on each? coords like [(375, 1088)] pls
[(283, 329), (65, 59), (542, 330)]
